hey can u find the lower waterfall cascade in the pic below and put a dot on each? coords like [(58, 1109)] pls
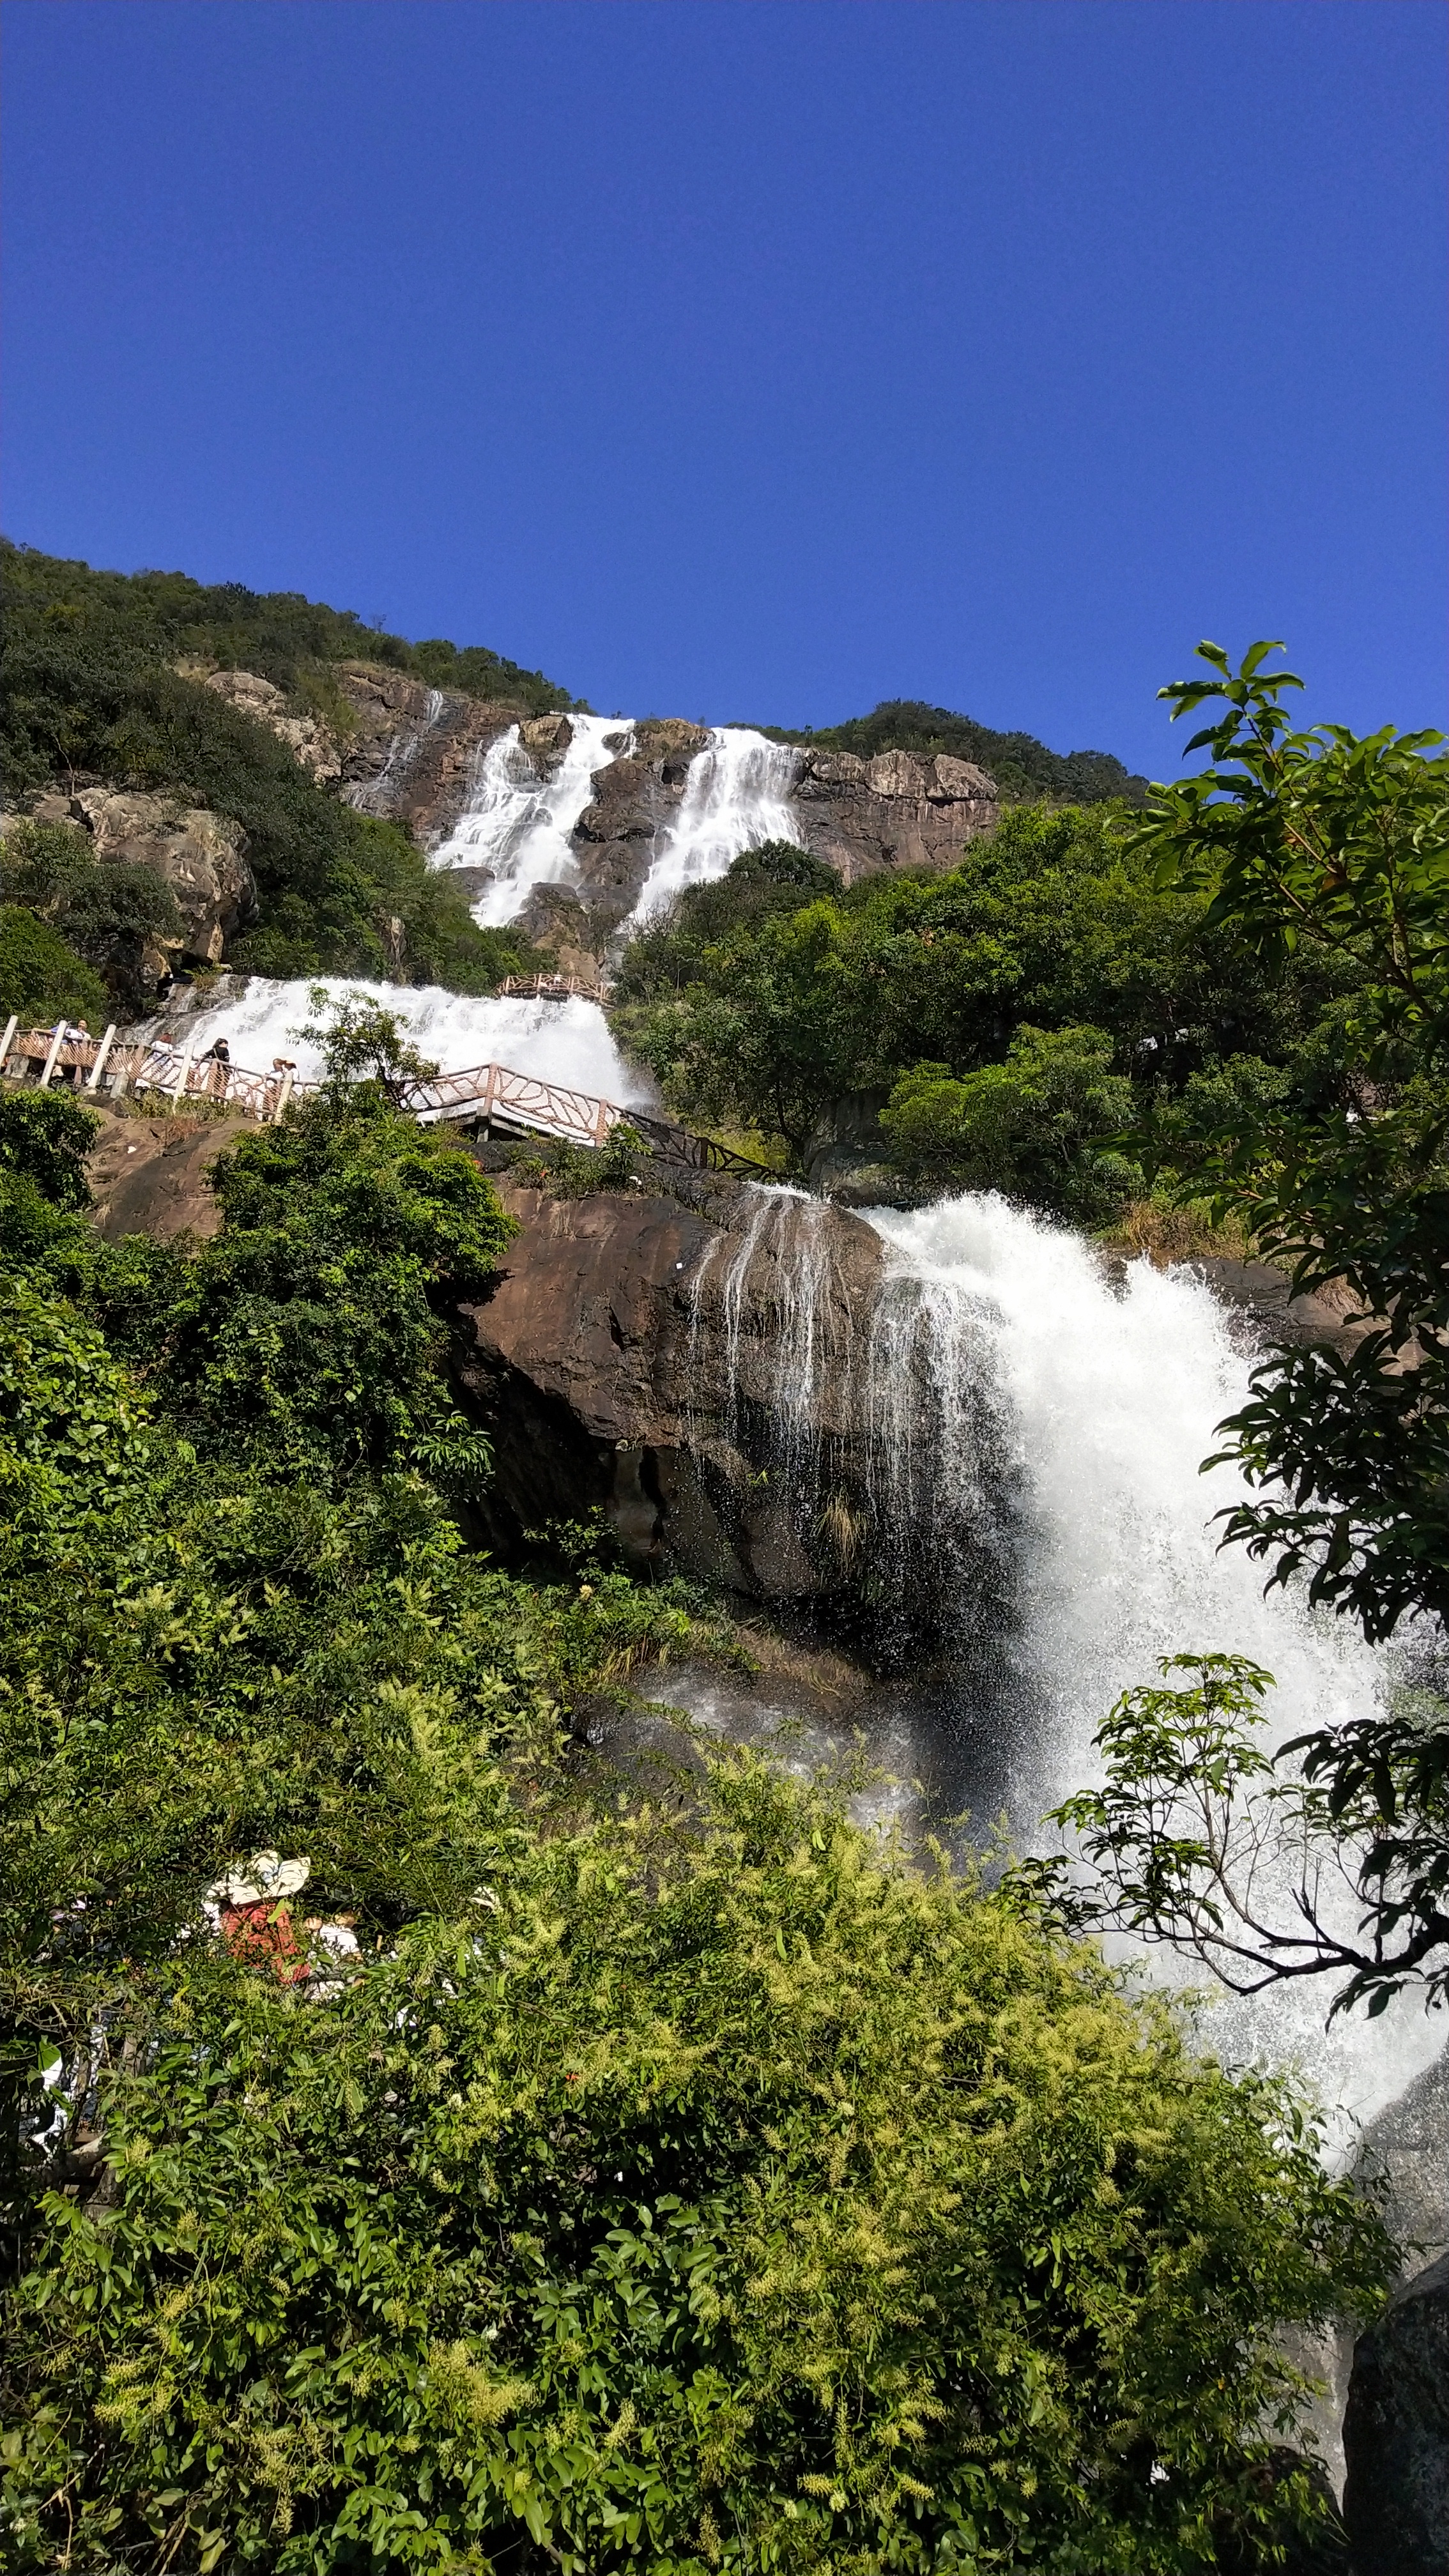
[(1115, 1395), (1036, 1429)]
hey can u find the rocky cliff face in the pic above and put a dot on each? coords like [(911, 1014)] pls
[(414, 754), (200, 855), (896, 811), (637, 1355)]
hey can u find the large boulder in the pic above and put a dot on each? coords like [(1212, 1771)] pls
[(153, 1175), (201, 856), (313, 744), (617, 834), (1396, 2435), (685, 1364), (899, 810)]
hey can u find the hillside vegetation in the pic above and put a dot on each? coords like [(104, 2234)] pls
[(576, 2183), (90, 696), (1009, 1022)]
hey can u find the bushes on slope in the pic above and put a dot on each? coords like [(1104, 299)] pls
[(89, 691)]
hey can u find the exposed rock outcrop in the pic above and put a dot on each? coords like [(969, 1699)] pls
[(1396, 2435), (896, 811), (635, 799), (201, 856), (415, 752), (311, 742), (630, 1357)]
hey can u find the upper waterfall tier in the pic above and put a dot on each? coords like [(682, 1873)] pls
[(515, 833), (736, 797)]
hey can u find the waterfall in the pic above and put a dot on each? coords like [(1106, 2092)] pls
[(1109, 1399), (518, 825), (375, 795), (777, 1282), (735, 796), (566, 1042)]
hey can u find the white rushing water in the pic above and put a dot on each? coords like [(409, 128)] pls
[(518, 824), (1112, 1400), (568, 1042), (736, 796)]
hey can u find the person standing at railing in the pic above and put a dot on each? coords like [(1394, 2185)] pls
[(218, 1056)]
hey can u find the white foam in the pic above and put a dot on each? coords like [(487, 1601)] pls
[(567, 1042), (519, 824), (736, 796), (1116, 1399)]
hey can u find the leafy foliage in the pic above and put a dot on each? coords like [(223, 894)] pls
[(1316, 841), (41, 977), (752, 1006), (108, 913), (1036, 1124), (277, 632), (1196, 1824), (1022, 767), (753, 2198), (90, 692), (309, 1338), (1325, 842)]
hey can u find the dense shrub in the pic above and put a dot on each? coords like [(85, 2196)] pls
[(89, 690), (762, 1002), (278, 633), (680, 2187), (1040, 1125), (41, 976)]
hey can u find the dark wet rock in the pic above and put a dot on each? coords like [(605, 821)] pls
[(847, 1158), (1396, 2435), (1263, 1296), (415, 752), (630, 1358)]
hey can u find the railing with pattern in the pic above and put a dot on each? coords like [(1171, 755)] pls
[(486, 1094), (551, 988)]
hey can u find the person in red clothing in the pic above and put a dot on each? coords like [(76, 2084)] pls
[(256, 1918)]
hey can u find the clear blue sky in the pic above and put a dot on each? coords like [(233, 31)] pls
[(756, 358)]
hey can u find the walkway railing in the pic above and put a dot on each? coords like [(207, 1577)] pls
[(486, 1096), (552, 988)]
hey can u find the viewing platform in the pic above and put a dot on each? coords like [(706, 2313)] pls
[(490, 1099)]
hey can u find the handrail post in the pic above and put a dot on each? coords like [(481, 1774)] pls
[(602, 1123), (284, 1095), (11, 1025), (102, 1052), (56, 1044), (179, 1085)]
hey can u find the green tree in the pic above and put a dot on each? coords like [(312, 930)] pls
[(1038, 1125), (751, 1006), (91, 685), (41, 977), (1324, 841)]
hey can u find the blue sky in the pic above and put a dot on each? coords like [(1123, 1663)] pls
[(756, 359)]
